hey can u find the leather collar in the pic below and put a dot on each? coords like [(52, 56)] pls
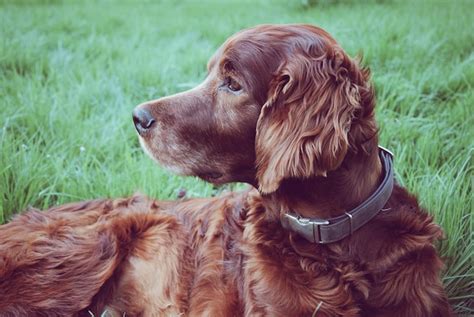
[(334, 229)]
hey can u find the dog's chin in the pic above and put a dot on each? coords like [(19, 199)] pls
[(213, 177), (175, 169)]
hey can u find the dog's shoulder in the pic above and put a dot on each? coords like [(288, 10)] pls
[(402, 226), (401, 259)]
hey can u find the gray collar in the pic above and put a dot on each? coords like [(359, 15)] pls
[(334, 229)]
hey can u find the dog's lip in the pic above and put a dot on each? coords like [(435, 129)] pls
[(210, 176), (213, 175)]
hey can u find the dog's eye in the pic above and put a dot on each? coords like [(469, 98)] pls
[(232, 84)]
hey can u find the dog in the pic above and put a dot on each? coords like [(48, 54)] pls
[(323, 230)]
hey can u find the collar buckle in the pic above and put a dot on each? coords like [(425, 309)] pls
[(308, 228)]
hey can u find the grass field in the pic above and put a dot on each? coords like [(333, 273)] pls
[(70, 74)]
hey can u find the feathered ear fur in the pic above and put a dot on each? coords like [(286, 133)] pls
[(303, 127)]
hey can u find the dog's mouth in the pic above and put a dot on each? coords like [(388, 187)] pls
[(211, 177)]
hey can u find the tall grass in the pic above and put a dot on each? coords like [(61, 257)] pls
[(71, 72)]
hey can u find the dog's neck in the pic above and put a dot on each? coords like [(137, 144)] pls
[(326, 197)]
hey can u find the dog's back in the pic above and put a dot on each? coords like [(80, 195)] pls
[(131, 255), (52, 263)]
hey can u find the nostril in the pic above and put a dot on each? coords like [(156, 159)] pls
[(149, 123), (143, 120)]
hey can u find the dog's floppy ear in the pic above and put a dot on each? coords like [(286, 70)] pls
[(303, 127)]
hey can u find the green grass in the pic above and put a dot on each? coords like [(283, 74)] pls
[(70, 74)]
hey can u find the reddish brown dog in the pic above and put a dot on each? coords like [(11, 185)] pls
[(284, 109)]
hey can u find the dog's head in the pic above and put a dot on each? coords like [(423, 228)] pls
[(279, 102)]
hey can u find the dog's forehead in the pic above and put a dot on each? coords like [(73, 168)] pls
[(246, 38), (244, 56), (270, 43), (231, 49), (249, 50)]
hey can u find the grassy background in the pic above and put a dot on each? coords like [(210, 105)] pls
[(70, 74)]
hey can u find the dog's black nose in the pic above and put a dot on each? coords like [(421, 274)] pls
[(143, 120)]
